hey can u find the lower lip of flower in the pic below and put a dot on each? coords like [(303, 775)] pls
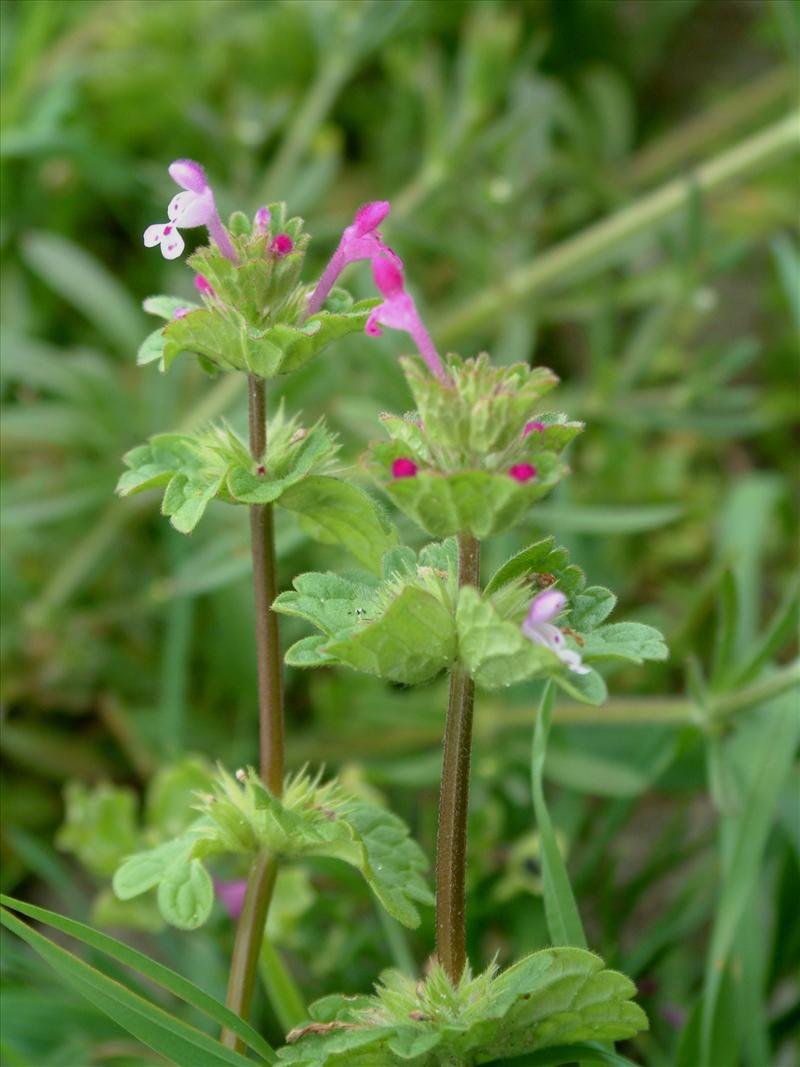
[(522, 472), (404, 468)]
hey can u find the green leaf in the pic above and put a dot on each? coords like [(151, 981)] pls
[(337, 512), (411, 642), (163, 976), (309, 652), (541, 560), (591, 607), (311, 819), (144, 870), (468, 501), (230, 343), (282, 469), (186, 895), (166, 306), (563, 918), (99, 825), (589, 688), (152, 348), (495, 651), (164, 1033), (625, 640), (557, 998)]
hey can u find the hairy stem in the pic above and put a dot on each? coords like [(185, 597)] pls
[(250, 931), (451, 838)]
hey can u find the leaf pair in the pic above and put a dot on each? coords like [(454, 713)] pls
[(415, 623), (552, 998), (309, 820)]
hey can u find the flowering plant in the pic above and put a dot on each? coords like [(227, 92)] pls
[(466, 465)]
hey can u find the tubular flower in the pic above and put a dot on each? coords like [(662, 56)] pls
[(522, 472), (404, 468), (399, 312), (538, 627), (360, 240), (194, 206)]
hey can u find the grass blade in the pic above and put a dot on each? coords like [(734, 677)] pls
[(563, 919), (156, 972), (154, 1027)]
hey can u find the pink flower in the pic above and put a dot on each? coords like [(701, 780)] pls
[(523, 472), (360, 240), (404, 468), (281, 245), (195, 206), (263, 216), (399, 312), (538, 627), (533, 426), (203, 286), (180, 313), (231, 894)]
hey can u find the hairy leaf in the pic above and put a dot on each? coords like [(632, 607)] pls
[(558, 997)]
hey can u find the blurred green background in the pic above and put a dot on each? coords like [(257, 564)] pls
[(503, 132)]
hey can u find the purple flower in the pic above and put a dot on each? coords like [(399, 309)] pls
[(522, 472), (203, 286), (263, 216), (399, 312), (538, 627), (231, 894), (534, 426), (195, 206), (404, 468), (360, 240), (281, 245)]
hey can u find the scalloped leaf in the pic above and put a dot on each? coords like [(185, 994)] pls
[(186, 895), (411, 642), (634, 641), (192, 472), (473, 501), (590, 607), (225, 338), (543, 560), (144, 870), (554, 998), (249, 487), (100, 825), (337, 512), (495, 651)]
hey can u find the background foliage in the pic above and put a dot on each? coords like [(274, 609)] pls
[(498, 130)]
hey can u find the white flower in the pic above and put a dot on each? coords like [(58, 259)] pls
[(539, 628)]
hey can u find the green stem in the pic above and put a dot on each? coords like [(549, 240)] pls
[(596, 245), (250, 930), (281, 988), (451, 838), (247, 945)]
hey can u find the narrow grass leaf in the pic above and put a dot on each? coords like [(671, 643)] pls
[(156, 972), (563, 919)]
